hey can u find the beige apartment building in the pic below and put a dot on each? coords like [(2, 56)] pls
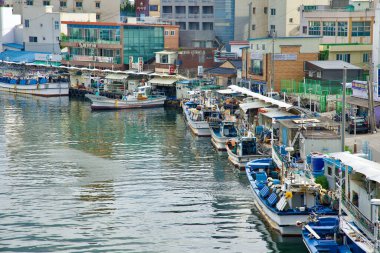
[(106, 10)]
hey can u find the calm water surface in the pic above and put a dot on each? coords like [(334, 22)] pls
[(72, 180)]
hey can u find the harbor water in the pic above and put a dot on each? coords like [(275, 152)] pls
[(72, 180)]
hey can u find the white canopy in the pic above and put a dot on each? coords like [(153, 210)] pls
[(116, 76), (163, 81), (370, 169), (227, 92), (252, 105), (260, 97)]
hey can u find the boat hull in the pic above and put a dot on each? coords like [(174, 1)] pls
[(104, 103), (241, 161), (284, 224), (199, 128), (44, 90)]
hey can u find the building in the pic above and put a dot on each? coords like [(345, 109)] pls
[(290, 54), (154, 8), (116, 45), (376, 48), (225, 74), (236, 47), (332, 71), (346, 28), (243, 15), (42, 28), (279, 16), (106, 10), (9, 27), (203, 24)]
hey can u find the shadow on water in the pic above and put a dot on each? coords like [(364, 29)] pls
[(74, 180)]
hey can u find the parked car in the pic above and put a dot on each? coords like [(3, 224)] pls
[(361, 125)]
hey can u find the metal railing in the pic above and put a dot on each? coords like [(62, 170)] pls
[(359, 217), (89, 40)]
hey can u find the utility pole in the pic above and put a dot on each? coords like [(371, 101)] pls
[(371, 114), (273, 34), (250, 10), (343, 125)]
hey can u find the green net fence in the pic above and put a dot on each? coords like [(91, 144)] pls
[(314, 87)]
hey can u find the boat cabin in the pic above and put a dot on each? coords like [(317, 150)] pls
[(244, 146)]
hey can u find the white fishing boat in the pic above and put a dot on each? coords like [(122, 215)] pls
[(46, 86), (141, 98), (285, 198), (242, 150), (221, 133)]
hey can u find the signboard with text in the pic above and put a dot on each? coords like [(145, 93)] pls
[(142, 8)]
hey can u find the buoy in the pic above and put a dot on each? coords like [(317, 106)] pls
[(288, 195)]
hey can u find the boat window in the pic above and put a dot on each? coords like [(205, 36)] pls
[(355, 198), (329, 171)]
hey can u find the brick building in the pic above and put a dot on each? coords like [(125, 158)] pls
[(289, 56)]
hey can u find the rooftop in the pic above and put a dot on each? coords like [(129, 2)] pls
[(286, 38), (333, 65), (115, 24)]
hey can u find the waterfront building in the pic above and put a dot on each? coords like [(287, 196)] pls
[(236, 46), (106, 10), (42, 27), (346, 30), (203, 24), (9, 28), (225, 74), (270, 60), (115, 45)]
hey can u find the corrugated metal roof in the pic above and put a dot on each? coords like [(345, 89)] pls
[(163, 81), (18, 56), (333, 64), (276, 114), (116, 76), (14, 45), (252, 105)]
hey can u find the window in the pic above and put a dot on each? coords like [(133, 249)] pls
[(272, 28), (253, 27), (342, 29), (329, 171), (304, 29), (166, 33), (33, 39), (273, 12), (167, 9), (208, 26), (26, 22), (172, 33), (79, 4), (263, 46), (257, 67), (365, 57), (164, 58), (193, 9), (265, 10), (254, 10), (97, 16), (45, 3), (56, 25), (29, 2), (329, 28), (180, 9), (153, 7), (62, 4), (361, 29), (355, 198), (182, 25), (257, 47), (193, 26), (290, 20), (343, 57), (97, 4), (208, 9), (314, 28), (57, 38)]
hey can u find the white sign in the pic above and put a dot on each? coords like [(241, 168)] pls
[(87, 45), (256, 56), (141, 64), (285, 57), (200, 70), (47, 57)]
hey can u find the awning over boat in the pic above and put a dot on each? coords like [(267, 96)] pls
[(273, 113), (252, 105), (227, 92), (163, 81), (260, 97), (370, 169), (116, 76)]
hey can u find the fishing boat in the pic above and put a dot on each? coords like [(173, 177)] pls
[(199, 118), (38, 85), (356, 230), (242, 150), (285, 198), (221, 133), (141, 98)]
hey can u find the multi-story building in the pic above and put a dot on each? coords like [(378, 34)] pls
[(280, 16), (8, 27), (243, 14), (269, 60), (346, 30), (202, 23), (42, 27), (154, 8), (106, 10), (110, 45)]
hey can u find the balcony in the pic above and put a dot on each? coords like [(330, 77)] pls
[(87, 58), (193, 15), (206, 16), (88, 40)]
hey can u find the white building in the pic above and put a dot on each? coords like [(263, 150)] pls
[(106, 10), (42, 27), (8, 27)]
